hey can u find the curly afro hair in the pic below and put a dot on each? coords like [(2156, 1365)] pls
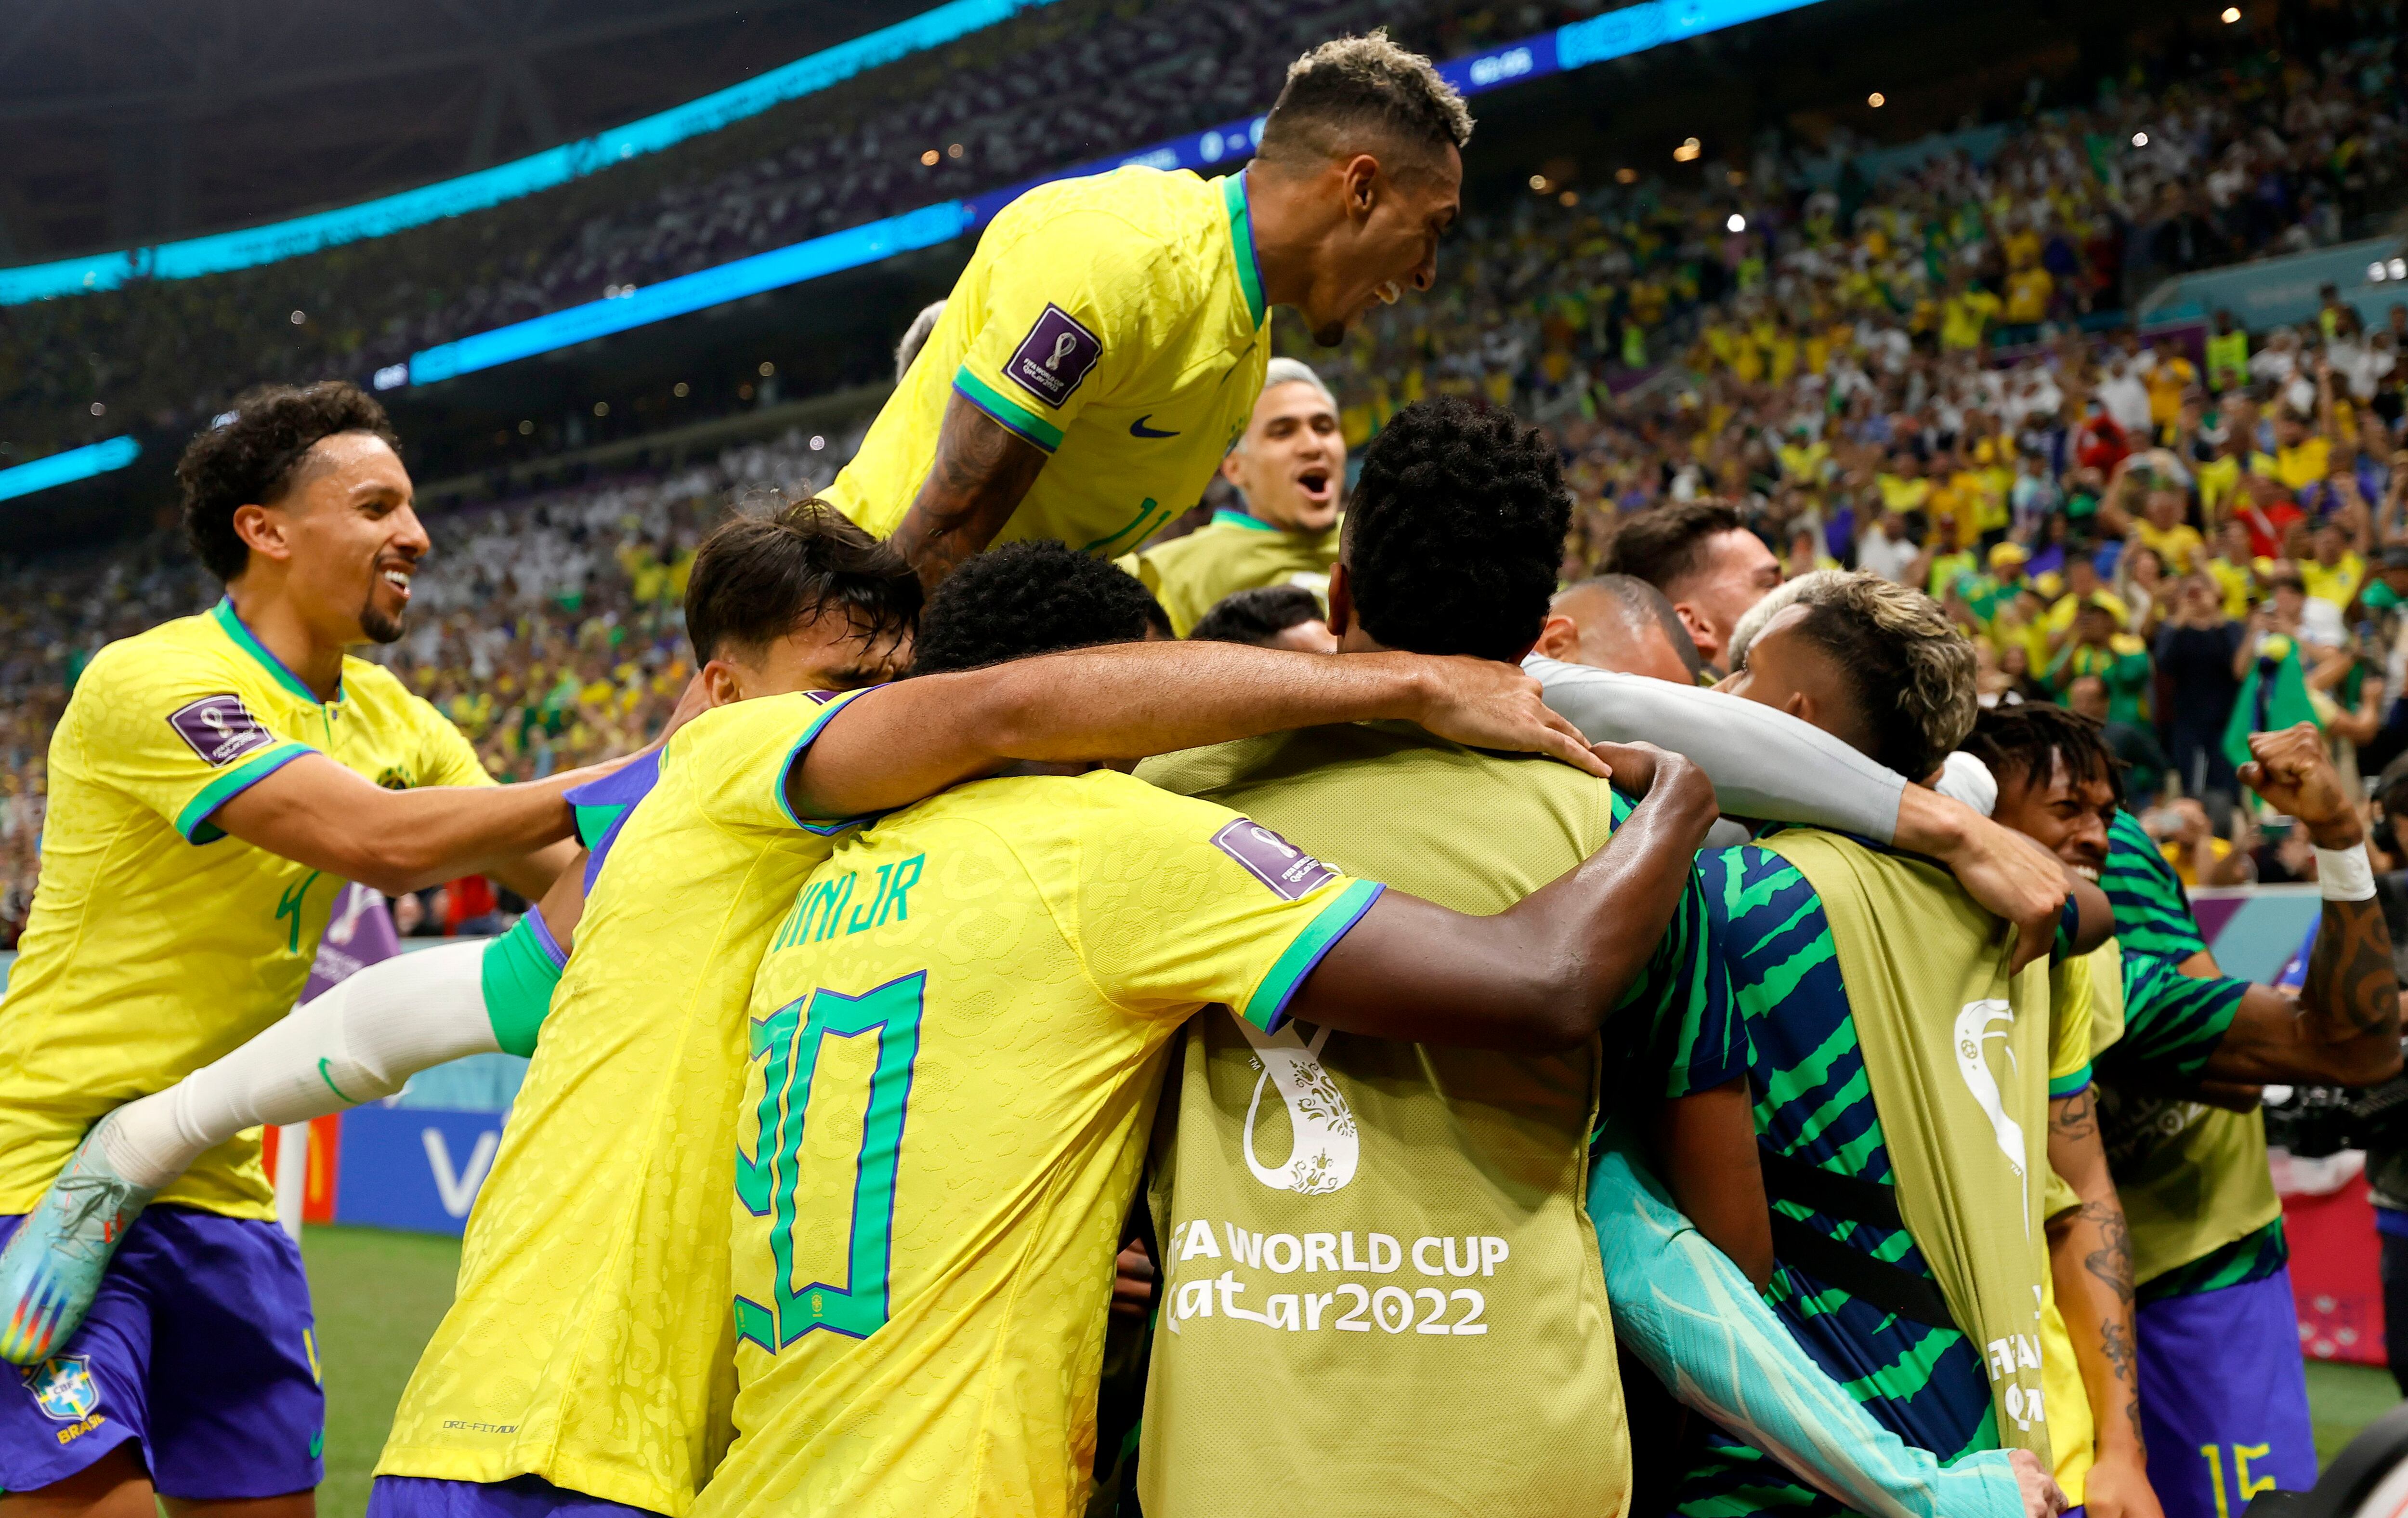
[(1454, 532), (1026, 599), (2033, 739), (251, 460)]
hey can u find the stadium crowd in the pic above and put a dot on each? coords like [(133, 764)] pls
[(2007, 605), (1923, 374), (2267, 153)]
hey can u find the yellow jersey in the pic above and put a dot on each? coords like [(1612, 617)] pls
[(2304, 463), (2178, 547), (2335, 583), (1116, 320), (1231, 553), (156, 943), (588, 1342), (957, 1041)]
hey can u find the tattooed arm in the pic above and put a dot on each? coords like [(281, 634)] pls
[(2090, 1261), (2343, 1026), (981, 472)]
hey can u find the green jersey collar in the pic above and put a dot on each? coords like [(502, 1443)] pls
[(1239, 519), (1242, 243), (224, 614)]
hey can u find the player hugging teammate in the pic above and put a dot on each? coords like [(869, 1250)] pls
[(1482, 1121)]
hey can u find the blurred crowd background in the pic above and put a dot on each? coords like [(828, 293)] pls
[(1923, 362)]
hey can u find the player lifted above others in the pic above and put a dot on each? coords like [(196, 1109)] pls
[(213, 783), (1121, 321)]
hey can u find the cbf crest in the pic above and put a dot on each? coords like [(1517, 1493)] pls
[(62, 1387)]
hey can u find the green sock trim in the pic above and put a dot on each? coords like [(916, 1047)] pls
[(520, 969)]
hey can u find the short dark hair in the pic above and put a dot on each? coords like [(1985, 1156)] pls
[(763, 573), (1256, 617), (1641, 600), (249, 460), (1454, 532), (1352, 84), (1026, 598), (1666, 543), (2031, 738)]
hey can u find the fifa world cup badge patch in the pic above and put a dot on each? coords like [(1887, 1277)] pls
[(62, 1387), (220, 729), (1054, 358), (1272, 860)]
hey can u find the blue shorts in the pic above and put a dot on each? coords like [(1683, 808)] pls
[(520, 1496), (197, 1351), (2224, 1400)]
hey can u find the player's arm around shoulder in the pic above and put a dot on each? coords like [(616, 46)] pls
[(1544, 974)]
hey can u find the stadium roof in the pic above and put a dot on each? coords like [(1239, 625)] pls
[(136, 120)]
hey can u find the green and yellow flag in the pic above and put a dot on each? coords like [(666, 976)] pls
[(2273, 696)]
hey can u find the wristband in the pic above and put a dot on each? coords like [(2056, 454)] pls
[(2345, 874)]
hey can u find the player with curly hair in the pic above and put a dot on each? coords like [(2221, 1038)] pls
[(214, 781)]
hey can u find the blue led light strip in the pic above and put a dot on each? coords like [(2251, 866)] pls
[(771, 271), (277, 240), (1617, 33), (65, 469)]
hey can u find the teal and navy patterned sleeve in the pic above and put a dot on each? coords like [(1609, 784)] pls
[(2152, 910), (1693, 1035), (2171, 1022)]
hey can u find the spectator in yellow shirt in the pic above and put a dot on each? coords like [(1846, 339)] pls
[(2337, 571), (2171, 375), (1964, 315), (1901, 484), (2177, 544), (2232, 569), (2083, 588), (1805, 459), (2302, 457)]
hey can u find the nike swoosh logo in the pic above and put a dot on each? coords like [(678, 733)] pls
[(317, 1443), (1138, 428)]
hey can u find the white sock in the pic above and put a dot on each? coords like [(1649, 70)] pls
[(360, 1041)]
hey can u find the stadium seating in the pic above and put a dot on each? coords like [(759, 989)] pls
[(1779, 365)]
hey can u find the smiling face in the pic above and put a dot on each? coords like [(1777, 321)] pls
[(1291, 464), (1384, 237), (2069, 817), (348, 539)]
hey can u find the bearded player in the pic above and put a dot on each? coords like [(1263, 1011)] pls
[(1121, 321), (213, 783)]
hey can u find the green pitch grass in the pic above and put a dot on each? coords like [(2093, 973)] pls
[(2343, 1399), (379, 1297)]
